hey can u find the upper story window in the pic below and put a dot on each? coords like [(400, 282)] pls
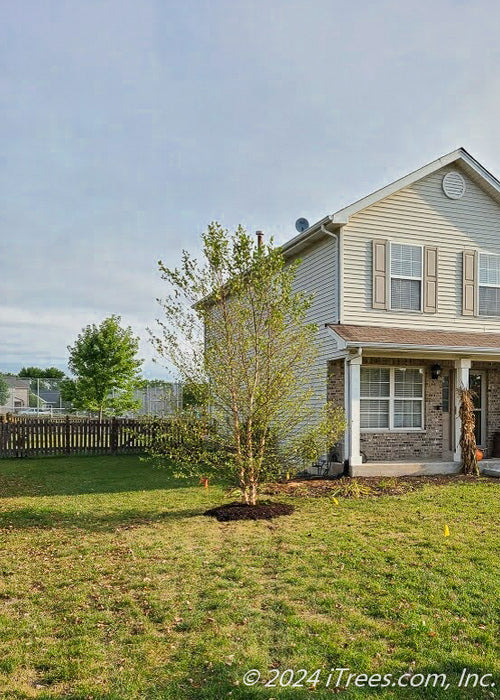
[(489, 285), (406, 277)]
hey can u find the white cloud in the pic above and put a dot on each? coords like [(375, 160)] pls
[(126, 127)]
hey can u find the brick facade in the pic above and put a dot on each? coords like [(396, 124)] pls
[(434, 441), (429, 443), (424, 444), (335, 392)]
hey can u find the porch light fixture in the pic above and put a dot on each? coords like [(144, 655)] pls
[(436, 371)]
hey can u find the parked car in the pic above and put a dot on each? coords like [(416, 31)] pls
[(35, 412)]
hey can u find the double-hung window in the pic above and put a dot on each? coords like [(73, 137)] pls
[(375, 397), (406, 277), (408, 398), (489, 285), (392, 398)]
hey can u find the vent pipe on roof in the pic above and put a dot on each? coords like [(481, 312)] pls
[(260, 237)]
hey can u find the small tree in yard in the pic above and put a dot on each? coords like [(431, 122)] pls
[(467, 436), (4, 391), (104, 363), (235, 330)]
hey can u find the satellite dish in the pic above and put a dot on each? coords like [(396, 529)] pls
[(301, 225)]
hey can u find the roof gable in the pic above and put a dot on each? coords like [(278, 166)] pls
[(15, 382), (470, 166)]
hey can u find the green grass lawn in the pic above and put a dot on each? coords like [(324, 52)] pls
[(114, 585)]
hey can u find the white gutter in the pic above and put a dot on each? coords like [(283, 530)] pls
[(341, 343), (287, 248), (327, 232), (433, 348), (341, 217)]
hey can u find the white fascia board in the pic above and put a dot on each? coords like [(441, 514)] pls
[(341, 343), (293, 245), (480, 170), (338, 354), (341, 217), (452, 349), (460, 155)]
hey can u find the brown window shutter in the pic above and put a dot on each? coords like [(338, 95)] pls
[(469, 275), (379, 274), (430, 279)]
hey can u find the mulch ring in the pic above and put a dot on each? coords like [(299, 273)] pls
[(369, 487), (266, 510)]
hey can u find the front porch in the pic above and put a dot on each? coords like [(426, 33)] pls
[(402, 403)]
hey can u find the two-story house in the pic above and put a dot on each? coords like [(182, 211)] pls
[(19, 390), (407, 298)]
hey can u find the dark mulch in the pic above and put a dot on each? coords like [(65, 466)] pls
[(241, 511)]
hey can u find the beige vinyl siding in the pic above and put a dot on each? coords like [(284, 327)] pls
[(421, 213), (318, 274)]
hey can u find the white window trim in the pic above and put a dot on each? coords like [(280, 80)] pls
[(405, 277), (392, 398), (486, 286), (484, 408)]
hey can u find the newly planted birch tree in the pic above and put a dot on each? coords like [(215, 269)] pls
[(235, 330)]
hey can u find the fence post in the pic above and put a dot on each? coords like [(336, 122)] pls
[(67, 433), (113, 439)]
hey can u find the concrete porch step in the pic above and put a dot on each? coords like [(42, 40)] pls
[(488, 467), (410, 468)]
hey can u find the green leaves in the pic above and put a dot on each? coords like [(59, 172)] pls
[(39, 373), (236, 330), (106, 369), (4, 391)]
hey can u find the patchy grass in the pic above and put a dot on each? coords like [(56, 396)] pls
[(114, 586)]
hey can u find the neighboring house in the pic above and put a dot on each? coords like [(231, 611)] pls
[(50, 398), (19, 392), (407, 298), (159, 399)]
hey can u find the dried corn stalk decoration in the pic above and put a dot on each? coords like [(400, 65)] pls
[(468, 437)]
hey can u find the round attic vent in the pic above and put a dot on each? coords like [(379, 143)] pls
[(453, 185)]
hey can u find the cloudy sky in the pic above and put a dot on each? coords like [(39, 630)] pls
[(127, 125)]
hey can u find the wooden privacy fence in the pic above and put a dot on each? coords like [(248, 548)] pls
[(30, 437)]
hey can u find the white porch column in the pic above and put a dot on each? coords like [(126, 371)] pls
[(354, 411), (347, 409), (462, 368)]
